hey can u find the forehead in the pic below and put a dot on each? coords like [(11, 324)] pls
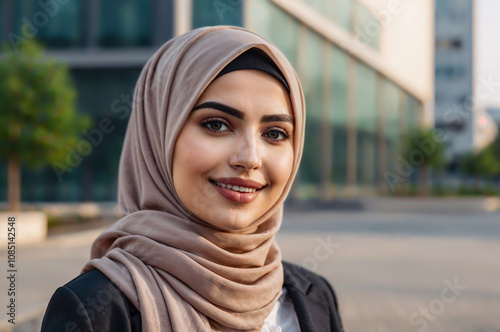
[(249, 89)]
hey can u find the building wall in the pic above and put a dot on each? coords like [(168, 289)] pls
[(454, 74), (407, 43), (358, 105), (105, 43), (357, 114)]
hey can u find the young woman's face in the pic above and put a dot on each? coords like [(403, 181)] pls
[(234, 154)]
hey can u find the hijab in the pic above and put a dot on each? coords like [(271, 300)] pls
[(180, 272)]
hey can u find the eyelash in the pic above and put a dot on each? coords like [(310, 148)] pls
[(207, 122)]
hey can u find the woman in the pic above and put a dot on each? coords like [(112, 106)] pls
[(213, 144)]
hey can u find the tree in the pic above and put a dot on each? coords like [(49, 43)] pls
[(483, 164), (38, 117), (487, 164), (424, 149)]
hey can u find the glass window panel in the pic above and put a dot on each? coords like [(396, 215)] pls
[(340, 12), (3, 20), (411, 112), (316, 4), (391, 114), (339, 106), (272, 23), (366, 117), (55, 25), (64, 28), (22, 17), (217, 12), (125, 23), (102, 93), (311, 79), (365, 25)]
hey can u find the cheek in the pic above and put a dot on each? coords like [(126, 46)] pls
[(194, 156), (280, 167)]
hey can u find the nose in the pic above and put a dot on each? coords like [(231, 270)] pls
[(246, 154)]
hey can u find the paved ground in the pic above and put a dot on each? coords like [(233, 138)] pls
[(393, 272)]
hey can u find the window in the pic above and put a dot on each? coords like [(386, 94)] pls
[(55, 25), (339, 107), (217, 12), (391, 114), (339, 11), (272, 23), (125, 23), (366, 117), (312, 81), (365, 26)]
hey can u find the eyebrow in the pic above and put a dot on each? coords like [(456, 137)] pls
[(221, 107), (240, 115)]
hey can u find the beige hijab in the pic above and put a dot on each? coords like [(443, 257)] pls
[(181, 273)]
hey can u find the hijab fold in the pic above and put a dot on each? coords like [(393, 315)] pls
[(180, 272)]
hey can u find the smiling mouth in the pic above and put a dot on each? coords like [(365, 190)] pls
[(239, 189)]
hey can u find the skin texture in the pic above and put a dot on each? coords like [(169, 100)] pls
[(214, 145)]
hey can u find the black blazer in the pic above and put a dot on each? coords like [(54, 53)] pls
[(91, 302)]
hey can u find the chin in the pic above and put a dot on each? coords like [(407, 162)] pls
[(232, 221)]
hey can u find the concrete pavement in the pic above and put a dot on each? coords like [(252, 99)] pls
[(393, 272)]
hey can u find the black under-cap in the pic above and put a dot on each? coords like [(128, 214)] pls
[(254, 58)]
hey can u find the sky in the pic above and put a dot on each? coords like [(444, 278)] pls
[(487, 47)]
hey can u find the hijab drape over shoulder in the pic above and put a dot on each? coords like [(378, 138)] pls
[(179, 271)]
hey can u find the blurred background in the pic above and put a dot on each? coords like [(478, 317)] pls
[(400, 177)]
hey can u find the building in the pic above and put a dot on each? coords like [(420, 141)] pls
[(454, 100), (494, 113), (366, 72)]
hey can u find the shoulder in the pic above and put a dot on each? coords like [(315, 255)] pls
[(86, 304), (313, 297), (307, 281)]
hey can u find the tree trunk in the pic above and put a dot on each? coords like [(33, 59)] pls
[(424, 180), (14, 184)]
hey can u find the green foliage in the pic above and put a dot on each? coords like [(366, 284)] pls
[(424, 148), (38, 117), (467, 164), (488, 190), (443, 190), (485, 164)]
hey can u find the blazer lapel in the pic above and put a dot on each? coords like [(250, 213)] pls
[(311, 313)]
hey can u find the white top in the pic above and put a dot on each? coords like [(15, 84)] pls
[(283, 317)]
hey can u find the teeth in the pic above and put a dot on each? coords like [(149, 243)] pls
[(237, 188)]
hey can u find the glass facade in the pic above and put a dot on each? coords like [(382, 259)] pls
[(355, 116), (104, 92), (283, 35), (366, 121), (125, 23), (87, 23), (217, 12), (336, 96), (313, 85), (106, 95), (365, 25), (339, 110), (392, 134), (351, 16), (44, 22)]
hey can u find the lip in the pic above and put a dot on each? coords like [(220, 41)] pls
[(235, 196), (247, 183)]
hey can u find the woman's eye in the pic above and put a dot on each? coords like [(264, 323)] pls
[(215, 125), (277, 135)]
